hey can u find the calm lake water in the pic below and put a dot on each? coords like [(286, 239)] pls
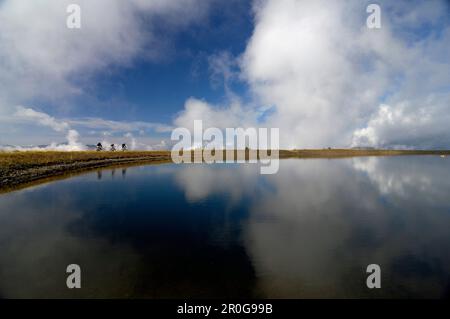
[(224, 230)]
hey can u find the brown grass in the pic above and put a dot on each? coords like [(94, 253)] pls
[(17, 168), (25, 160)]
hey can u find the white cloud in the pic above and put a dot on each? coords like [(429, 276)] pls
[(234, 115), (224, 68), (423, 124), (161, 145), (40, 58), (328, 78), (95, 129), (29, 115), (327, 74)]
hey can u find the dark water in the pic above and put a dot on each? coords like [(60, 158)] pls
[(227, 231)]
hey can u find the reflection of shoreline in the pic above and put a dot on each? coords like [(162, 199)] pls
[(72, 173)]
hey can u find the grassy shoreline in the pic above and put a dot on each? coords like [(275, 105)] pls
[(18, 168), (23, 168)]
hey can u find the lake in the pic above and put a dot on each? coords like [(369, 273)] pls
[(224, 230)]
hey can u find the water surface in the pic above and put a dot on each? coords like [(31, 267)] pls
[(204, 231)]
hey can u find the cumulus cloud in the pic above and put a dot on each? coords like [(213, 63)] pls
[(215, 116), (407, 124), (329, 77), (35, 43), (41, 59), (313, 67), (97, 129), (29, 115)]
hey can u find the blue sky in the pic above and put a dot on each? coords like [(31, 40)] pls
[(137, 69), (155, 90)]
